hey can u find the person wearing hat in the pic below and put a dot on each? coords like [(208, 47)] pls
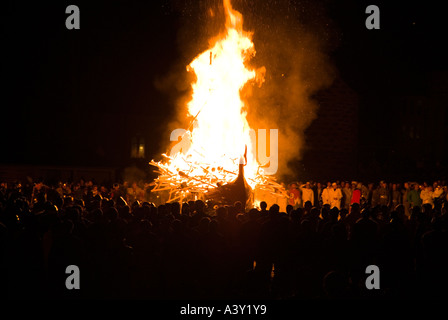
[(335, 196), (307, 193)]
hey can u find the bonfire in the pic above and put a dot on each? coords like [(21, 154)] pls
[(218, 161)]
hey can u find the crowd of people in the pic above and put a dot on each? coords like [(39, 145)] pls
[(127, 246), (342, 194)]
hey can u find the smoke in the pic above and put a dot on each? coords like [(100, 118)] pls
[(292, 41)]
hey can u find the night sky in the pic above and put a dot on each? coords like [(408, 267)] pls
[(71, 97)]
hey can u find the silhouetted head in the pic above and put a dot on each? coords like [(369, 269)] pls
[(185, 208), (191, 204), (121, 202), (240, 217), (294, 215), (299, 212), (427, 209), (203, 226), (221, 212), (415, 212), (98, 197), (306, 225), (343, 213), (176, 225), (199, 206), (213, 226), (400, 209), (73, 213), (274, 209), (307, 205), (395, 217), (253, 213), (355, 207), (135, 204), (111, 214), (124, 212), (50, 207), (79, 202), (437, 224), (97, 214), (334, 214), (314, 212), (175, 208), (365, 213), (263, 205), (238, 206), (107, 203), (324, 211)]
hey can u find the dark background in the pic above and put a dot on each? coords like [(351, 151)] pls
[(79, 97)]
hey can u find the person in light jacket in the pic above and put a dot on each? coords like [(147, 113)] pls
[(335, 196), (307, 193), (427, 196)]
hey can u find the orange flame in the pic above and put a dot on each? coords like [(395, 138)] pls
[(221, 133)]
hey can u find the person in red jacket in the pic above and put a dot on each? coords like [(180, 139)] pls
[(356, 193), (295, 196)]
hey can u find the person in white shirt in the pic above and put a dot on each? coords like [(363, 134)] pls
[(427, 196), (307, 193), (325, 194), (438, 190), (335, 196)]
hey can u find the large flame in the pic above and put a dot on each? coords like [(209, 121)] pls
[(219, 136), (222, 129), (220, 133)]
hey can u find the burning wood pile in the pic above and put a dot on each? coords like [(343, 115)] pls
[(208, 182)]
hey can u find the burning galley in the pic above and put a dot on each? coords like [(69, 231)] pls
[(216, 160)]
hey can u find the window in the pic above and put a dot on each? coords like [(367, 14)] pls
[(138, 147)]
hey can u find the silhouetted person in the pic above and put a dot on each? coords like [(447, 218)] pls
[(249, 237), (364, 241), (263, 209), (326, 229), (274, 243), (432, 263)]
